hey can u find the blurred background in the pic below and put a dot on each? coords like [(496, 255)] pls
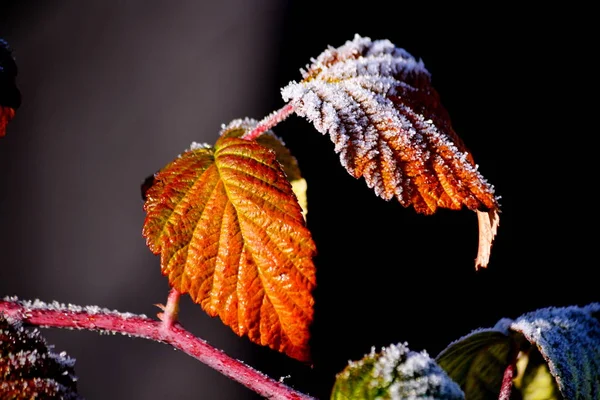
[(112, 91)]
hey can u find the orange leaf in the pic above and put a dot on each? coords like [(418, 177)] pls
[(231, 234), (387, 123), (239, 127)]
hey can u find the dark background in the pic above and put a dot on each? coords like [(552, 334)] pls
[(112, 91)]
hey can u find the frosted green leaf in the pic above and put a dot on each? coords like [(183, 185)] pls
[(477, 361), (557, 352), (568, 339), (395, 373)]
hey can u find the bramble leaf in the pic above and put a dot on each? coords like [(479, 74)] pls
[(10, 96), (477, 361), (28, 369), (563, 343), (568, 338), (395, 373), (231, 233), (386, 121), (239, 127)]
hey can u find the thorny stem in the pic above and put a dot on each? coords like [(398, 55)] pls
[(269, 121), (55, 315), (171, 310)]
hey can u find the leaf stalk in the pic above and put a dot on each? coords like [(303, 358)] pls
[(269, 121)]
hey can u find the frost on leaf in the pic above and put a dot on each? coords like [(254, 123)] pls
[(561, 343), (386, 121), (568, 338), (395, 373), (10, 97), (230, 232), (29, 370)]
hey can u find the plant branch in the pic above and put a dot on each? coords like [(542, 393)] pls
[(269, 121), (93, 318)]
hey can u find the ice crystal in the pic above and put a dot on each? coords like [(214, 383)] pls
[(56, 306), (196, 145), (243, 124)]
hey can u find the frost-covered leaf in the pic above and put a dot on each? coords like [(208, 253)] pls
[(10, 96), (29, 369), (568, 338), (239, 127), (230, 233), (477, 361), (395, 373), (377, 104)]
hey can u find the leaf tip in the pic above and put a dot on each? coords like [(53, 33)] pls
[(488, 228)]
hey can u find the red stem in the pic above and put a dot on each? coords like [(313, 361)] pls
[(103, 320), (507, 382), (269, 121)]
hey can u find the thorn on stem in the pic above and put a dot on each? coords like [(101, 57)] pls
[(170, 310)]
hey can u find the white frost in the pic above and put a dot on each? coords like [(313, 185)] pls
[(196, 146), (569, 340), (56, 306), (347, 93), (401, 374)]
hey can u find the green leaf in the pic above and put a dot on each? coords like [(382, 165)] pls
[(477, 361), (394, 373), (560, 343), (568, 339)]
